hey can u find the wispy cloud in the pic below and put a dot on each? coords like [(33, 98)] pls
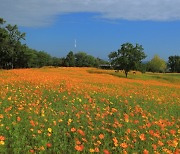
[(43, 12)]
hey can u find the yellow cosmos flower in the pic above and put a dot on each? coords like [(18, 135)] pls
[(2, 143), (49, 130), (91, 150)]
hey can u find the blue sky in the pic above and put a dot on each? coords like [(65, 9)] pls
[(98, 26)]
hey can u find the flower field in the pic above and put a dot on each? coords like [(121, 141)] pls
[(69, 110)]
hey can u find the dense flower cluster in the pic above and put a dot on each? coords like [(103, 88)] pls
[(68, 110)]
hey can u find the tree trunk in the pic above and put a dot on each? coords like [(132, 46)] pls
[(126, 73)]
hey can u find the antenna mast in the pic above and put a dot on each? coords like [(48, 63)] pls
[(75, 43)]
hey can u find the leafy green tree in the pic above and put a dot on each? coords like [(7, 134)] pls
[(91, 61), (157, 64), (85, 60), (142, 67), (4, 56), (174, 63), (101, 61), (80, 58), (128, 58), (44, 59), (57, 61), (70, 59), (15, 36), (13, 54), (10, 44), (29, 58)]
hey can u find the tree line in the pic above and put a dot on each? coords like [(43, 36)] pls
[(15, 54), (130, 57)]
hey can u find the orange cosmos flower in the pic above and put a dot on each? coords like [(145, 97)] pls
[(78, 142), (151, 132), (54, 123), (128, 130), (42, 148), (157, 135), (18, 119), (49, 145), (81, 132), (79, 147), (101, 136), (126, 117), (1, 116), (96, 149), (145, 151), (49, 134), (114, 110), (115, 141), (84, 139), (136, 121), (173, 132), (148, 125), (32, 123), (2, 138), (177, 151), (167, 151), (173, 143), (106, 151), (154, 146), (160, 143), (31, 151), (125, 152), (39, 131), (124, 145), (142, 137), (99, 142), (73, 129)]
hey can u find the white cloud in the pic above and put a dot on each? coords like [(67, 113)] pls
[(43, 12)]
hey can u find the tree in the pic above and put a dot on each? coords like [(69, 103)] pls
[(70, 59), (128, 58), (157, 64), (84, 60), (44, 59), (56, 61), (81, 59), (4, 56), (10, 44), (174, 63), (14, 44), (14, 54), (142, 67)]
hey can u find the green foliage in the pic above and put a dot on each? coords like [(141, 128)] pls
[(128, 57), (157, 64), (14, 54), (174, 63), (70, 59), (44, 59), (84, 60), (142, 67), (57, 61), (10, 44), (101, 61)]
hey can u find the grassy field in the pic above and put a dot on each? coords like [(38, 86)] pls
[(86, 110)]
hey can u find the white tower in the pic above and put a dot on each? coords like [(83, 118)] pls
[(75, 43)]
